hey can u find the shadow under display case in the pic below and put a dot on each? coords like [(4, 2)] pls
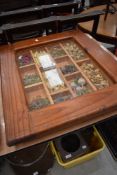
[(56, 84)]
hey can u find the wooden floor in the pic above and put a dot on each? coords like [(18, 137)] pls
[(106, 28)]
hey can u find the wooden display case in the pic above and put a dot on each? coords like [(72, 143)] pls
[(56, 84)]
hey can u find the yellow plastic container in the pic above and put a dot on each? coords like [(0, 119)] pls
[(100, 145)]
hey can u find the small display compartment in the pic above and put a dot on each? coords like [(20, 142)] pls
[(68, 69), (79, 85), (30, 76), (74, 50), (56, 51), (66, 65), (62, 96), (95, 75), (36, 97), (24, 58)]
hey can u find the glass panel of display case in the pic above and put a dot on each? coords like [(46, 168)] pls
[(60, 71), (55, 84)]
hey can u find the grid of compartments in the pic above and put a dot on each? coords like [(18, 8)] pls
[(58, 71)]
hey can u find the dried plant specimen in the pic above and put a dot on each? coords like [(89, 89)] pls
[(38, 103), (62, 98), (95, 75), (56, 51), (29, 79), (80, 86), (74, 51), (68, 69), (24, 60)]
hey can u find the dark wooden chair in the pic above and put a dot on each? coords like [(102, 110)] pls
[(9, 5), (93, 3), (115, 50), (2, 37), (21, 15), (61, 9), (75, 19), (48, 2), (32, 29), (113, 8), (110, 8), (82, 5)]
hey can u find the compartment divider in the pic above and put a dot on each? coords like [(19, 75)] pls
[(73, 94), (68, 86), (74, 73), (47, 50), (60, 91), (78, 67), (32, 85), (43, 82), (82, 61), (28, 65)]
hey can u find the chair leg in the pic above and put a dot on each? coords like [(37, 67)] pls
[(107, 10)]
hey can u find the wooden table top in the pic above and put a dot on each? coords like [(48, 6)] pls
[(106, 27), (81, 115)]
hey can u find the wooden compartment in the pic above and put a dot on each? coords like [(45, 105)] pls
[(63, 61), (36, 97), (74, 50), (30, 76), (66, 65), (79, 84), (24, 58), (95, 74), (56, 50), (62, 96)]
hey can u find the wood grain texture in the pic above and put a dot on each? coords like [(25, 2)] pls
[(75, 111), (15, 110), (56, 119)]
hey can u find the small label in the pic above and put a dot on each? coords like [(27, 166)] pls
[(45, 61), (53, 78), (36, 40), (84, 147), (36, 173), (68, 156), (20, 57)]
